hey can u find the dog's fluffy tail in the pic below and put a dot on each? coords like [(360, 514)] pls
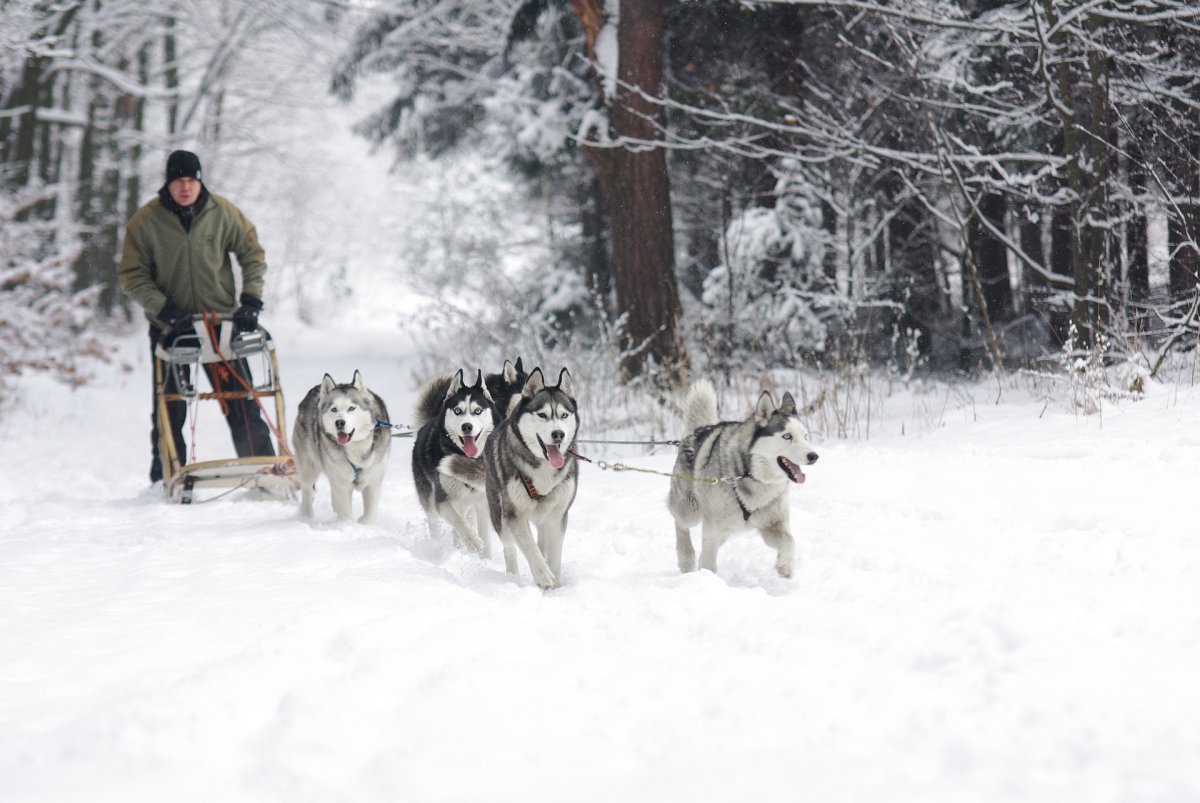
[(700, 407), (430, 398), (466, 470)]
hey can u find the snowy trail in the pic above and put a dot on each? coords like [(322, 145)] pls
[(1002, 609)]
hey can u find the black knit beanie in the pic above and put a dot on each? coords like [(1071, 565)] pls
[(183, 164)]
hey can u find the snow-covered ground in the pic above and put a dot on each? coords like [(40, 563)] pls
[(1003, 607), (992, 602)]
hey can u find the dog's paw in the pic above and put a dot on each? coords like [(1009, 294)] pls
[(546, 581), (687, 563), (784, 568)]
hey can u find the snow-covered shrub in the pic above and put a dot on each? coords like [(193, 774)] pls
[(1082, 381), (770, 299), (42, 318)]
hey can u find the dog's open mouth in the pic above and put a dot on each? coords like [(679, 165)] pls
[(343, 437), (553, 454), (792, 470), (470, 449)]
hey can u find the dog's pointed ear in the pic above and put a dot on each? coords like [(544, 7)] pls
[(565, 384), (358, 383), (327, 385), (764, 408), (511, 371), (533, 384), (482, 386), (456, 383), (519, 368), (788, 405)]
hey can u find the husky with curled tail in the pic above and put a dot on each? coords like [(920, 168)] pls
[(338, 434), (530, 476), (454, 418), (756, 461)]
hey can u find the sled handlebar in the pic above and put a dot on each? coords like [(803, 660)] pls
[(212, 338)]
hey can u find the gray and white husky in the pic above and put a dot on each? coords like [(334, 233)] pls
[(757, 461), (530, 476), (338, 434), (453, 419)]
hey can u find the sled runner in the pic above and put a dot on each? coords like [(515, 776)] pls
[(214, 347)]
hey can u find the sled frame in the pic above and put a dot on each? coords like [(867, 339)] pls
[(184, 359)]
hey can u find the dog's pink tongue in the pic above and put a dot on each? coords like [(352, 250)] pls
[(343, 438), (469, 447), (793, 470), (555, 456)]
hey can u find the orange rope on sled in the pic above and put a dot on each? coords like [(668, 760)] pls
[(211, 321)]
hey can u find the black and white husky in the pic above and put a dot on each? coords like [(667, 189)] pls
[(454, 419), (506, 385), (530, 476), (338, 434), (755, 461)]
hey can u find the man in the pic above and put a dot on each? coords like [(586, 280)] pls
[(175, 263)]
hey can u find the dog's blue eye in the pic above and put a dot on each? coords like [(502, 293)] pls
[(787, 436), (458, 411), (351, 408)]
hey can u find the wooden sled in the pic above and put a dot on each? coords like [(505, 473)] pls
[(184, 359)]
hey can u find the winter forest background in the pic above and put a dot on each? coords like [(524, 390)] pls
[(964, 234), (715, 185)]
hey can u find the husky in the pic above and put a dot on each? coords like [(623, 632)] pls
[(453, 419), (506, 385), (338, 434), (530, 476), (756, 461)]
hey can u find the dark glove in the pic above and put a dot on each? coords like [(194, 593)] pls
[(175, 318), (246, 317)]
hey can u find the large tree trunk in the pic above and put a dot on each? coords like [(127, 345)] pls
[(594, 230), (1185, 259), (1062, 96), (636, 188), (914, 277), (1137, 274), (18, 147), (829, 261), (1183, 226), (27, 98), (1101, 145), (1034, 285), (991, 258), (171, 75), (1062, 228)]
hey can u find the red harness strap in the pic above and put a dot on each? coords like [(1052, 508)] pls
[(211, 320), (529, 488)]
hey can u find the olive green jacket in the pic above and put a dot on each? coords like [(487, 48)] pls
[(161, 260)]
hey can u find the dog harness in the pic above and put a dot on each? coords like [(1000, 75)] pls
[(530, 488), (357, 469), (737, 497)]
